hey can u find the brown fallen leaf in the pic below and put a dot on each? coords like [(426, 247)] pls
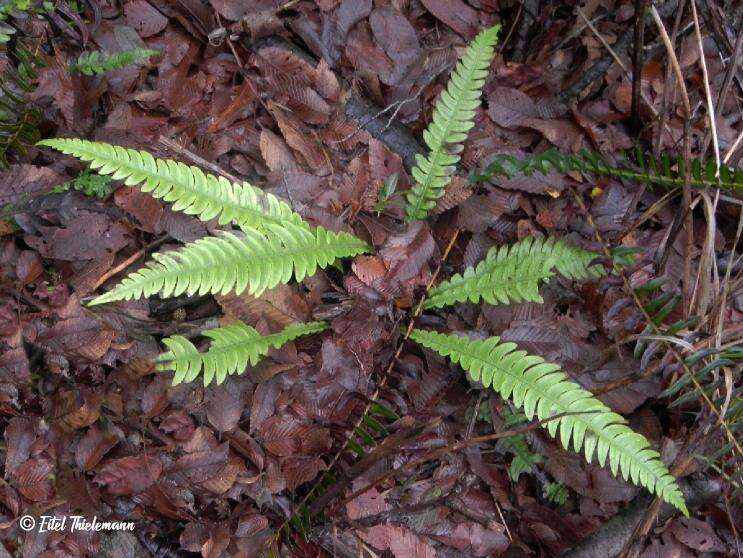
[(456, 14), (144, 18), (129, 475)]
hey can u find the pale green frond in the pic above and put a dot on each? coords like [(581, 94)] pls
[(514, 273), (453, 116), (543, 391), (252, 261), (233, 349), (188, 188)]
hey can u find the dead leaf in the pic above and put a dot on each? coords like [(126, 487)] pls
[(456, 14), (129, 475), (143, 17)]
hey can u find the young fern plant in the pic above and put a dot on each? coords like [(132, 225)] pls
[(274, 245), (513, 274), (453, 116), (97, 62)]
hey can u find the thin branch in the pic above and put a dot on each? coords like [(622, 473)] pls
[(637, 60), (707, 91)]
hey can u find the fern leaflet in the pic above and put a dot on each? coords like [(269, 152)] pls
[(255, 261), (453, 116), (663, 171), (187, 187), (233, 348), (97, 62), (543, 390), (514, 273)]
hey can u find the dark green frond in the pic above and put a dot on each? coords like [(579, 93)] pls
[(18, 117), (97, 62), (664, 171)]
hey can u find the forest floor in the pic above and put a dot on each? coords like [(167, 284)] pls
[(323, 103)]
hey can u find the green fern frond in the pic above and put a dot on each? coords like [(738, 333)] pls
[(189, 189), (97, 62), (233, 348), (453, 116), (514, 273), (543, 390), (664, 171), (255, 261)]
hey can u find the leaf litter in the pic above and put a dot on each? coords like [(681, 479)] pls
[(260, 91)]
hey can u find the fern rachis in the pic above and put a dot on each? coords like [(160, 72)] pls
[(544, 391), (453, 116), (233, 348)]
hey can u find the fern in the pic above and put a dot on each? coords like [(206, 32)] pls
[(255, 261), (275, 245), (233, 348), (190, 190), (453, 116), (556, 492), (93, 185), (663, 171), (544, 391), (98, 62), (19, 118), (514, 273)]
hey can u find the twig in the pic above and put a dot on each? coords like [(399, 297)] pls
[(127, 262), (640, 7), (176, 147), (673, 58), (707, 91), (687, 216), (733, 148), (616, 58), (599, 69), (731, 71), (668, 83)]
